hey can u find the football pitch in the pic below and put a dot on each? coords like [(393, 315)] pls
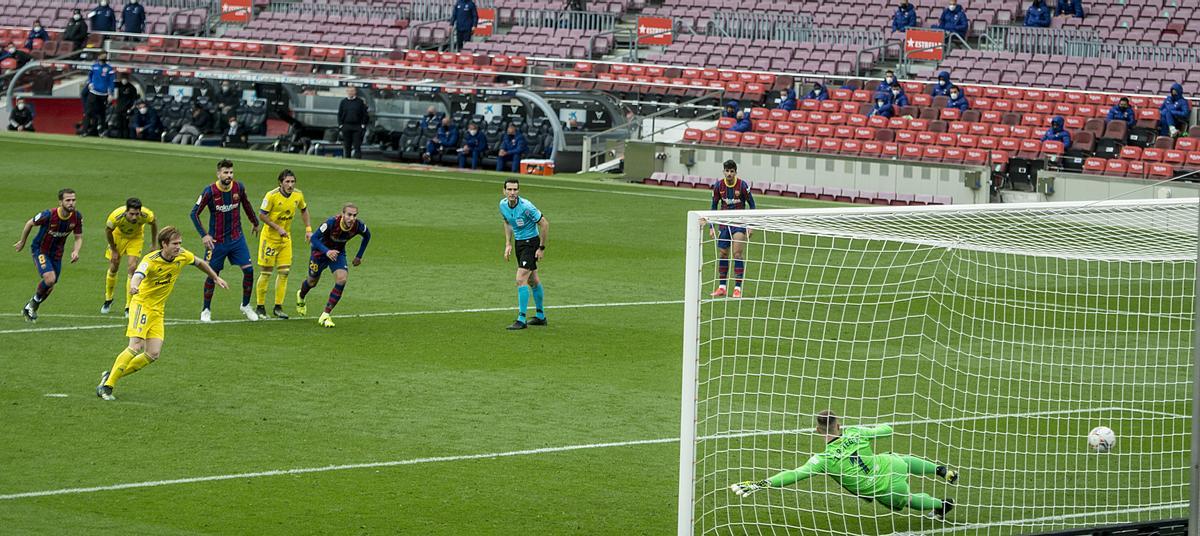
[(417, 414)]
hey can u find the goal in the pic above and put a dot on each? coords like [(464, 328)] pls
[(991, 337)]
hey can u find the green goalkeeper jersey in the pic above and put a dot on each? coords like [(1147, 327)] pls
[(850, 461)]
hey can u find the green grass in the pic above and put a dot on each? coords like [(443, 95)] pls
[(428, 372)]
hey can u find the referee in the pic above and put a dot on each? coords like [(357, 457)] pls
[(352, 121), (526, 224)]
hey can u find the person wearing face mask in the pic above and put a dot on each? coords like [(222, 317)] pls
[(1056, 132), (101, 80), (905, 17), (76, 32), (954, 20), (818, 92), (235, 134), (18, 55), (447, 136), (958, 100), (38, 32), (103, 18), (787, 99), (1070, 7), (197, 125), (133, 18), (127, 96), (145, 125), (1038, 15), (1122, 111), (889, 80), (1174, 112), (899, 97), (883, 107), (731, 109), (474, 143), (431, 119), (352, 121), (229, 97), (743, 122), (21, 118), (943, 85), (464, 18)]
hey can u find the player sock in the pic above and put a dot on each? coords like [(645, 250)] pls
[(43, 292), (922, 501), (110, 285), (247, 284), (522, 301), (260, 287), (918, 466), (281, 280), (334, 296), (723, 270), (136, 364), (304, 288), (209, 285), (538, 295), (118, 367), (739, 269)]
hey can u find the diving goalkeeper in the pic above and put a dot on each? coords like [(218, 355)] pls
[(848, 459)]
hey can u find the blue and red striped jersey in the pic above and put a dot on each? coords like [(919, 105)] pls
[(331, 235), (224, 224), (734, 197), (53, 231)]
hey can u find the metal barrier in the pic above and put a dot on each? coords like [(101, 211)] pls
[(757, 25), (183, 4), (433, 10), (575, 20), (1125, 53), (1026, 40), (352, 10), (593, 158)]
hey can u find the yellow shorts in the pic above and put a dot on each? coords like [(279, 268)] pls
[(272, 253), (144, 323), (126, 248)]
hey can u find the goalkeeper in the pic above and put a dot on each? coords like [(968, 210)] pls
[(849, 460)]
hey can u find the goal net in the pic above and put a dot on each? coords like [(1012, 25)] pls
[(991, 338)]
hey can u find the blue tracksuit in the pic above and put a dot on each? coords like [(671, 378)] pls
[(1127, 115), (960, 103), (102, 78), (103, 19), (1070, 7), (818, 92), (133, 19), (942, 87), (476, 144), (1038, 15), (954, 21), (731, 109), (447, 136), (904, 18), (1058, 133), (515, 146), (743, 125), (36, 34), (882, 109), (789, 101), (1174, 111)]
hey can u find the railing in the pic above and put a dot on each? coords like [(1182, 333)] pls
[(575, 20), (431, 10), (1026, 40), (592, 158), (757, 25), (183, 4), (1125, 53), (352, 10)]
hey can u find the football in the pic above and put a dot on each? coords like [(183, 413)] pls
[(1102, 439)]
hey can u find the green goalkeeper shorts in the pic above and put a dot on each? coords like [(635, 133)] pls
[(897, 495)]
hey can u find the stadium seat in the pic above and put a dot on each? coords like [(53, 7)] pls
[(903, 199), (1137, 168), (1131, 152), (1160, 171)]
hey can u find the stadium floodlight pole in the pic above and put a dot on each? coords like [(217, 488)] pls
[(691, 361)]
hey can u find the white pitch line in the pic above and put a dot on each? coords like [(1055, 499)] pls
[(1063, 517), (183, 322), (442, 459)]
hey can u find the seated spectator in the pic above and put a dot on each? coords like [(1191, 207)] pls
[(1056, 132), (474, 143), (1174, 112), (447, 137), (889, 80), (431, 119), (1038, 15), (235, 135), (1070, 7), (229, 97), (899, 97), (21, 118), (787, 99), (196, 127), (512, 147), (38, 32), (943, 85), (958, 100), (954, 20), (103, 18), (76, 32), (818, 92), (883, 107), (905, 17), (145, 124), (572, 126), (1122, 111), (743, 122), (731, 109), (20, 56)]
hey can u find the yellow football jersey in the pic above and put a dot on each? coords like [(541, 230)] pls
[(282, 210), (160, 276), (126, 229)]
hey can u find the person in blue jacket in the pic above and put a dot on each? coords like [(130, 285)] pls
[(818, 92), (954, 20), (1070, 7), (743, 122), (133, 18), (731, 109), (1122, 111), (100, 84), (889, 80), (1174, 112), (512, 146), (474, 143), (943, 85), (447, 137), (883, 107), (38, 32), (1056, 132), (905, 17), (899, 97), (464, 19), (145, 125), (103, 18), (1038, 15), (787, 99), (958, 100)]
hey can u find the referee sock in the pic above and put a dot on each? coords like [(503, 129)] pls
[(522, 302), (110, 285), (335, 295), (723, 271), (137, 363), (209, 285), (739, 269), (539, 294), (118, 367), (260, 287), (247, 284), (281, 277)]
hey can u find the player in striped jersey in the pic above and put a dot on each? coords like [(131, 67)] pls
[(329, 251), (730, 193), (224, 238), (54, 226)]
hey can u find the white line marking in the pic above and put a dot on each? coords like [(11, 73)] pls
[(183, 322), (56, 395), (960, 528), (443, 459)]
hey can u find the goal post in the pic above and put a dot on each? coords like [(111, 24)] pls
[(991, 337)]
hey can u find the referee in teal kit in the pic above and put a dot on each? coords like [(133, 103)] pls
[(526, 224)]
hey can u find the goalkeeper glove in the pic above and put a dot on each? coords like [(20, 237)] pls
[(743, 489)]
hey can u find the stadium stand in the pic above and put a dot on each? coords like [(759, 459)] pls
[(175, 16), (1072, 72)]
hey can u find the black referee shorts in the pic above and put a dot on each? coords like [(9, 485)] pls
[(527, 253)]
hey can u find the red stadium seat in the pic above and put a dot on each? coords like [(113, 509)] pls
[(926, 138), (975, 156), (830, 145), (1011, 145), (1193, 161), (1023, 107), (1116, 167), (856, 120), (830, 106), (818, 118), (803, 129), (946, 139), (1131, 152), (1187, 144), (749, 139), (726, 123), (891, 149), (1022, 131), (851, 147), (1137, 168), (1029, 148), (770, 141), (778, 115), (933, 153), (921, 100), (823, 131), (798, 116), (918, 124), (872, 148), (729, 137), (954, 154), (864, 133), (877, 121), (989, 142), (791, 143), (812, 145), (785, 128), (1043, 107), (836, 118), (1161, 171), (968, 140), (693, 135), (911, 151), (1052, 148), (766, 125), (906, 136), (1094, 165), (1174, 157), (950, 114), (959, 127), (1151, 154), (990, 116), (843, 132), (759, 113), (712, 136)]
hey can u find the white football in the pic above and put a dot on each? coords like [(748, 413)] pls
[(1102, 439)]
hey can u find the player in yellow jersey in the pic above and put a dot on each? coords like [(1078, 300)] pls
[(124, 232), (279, 208), (152, 283)]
